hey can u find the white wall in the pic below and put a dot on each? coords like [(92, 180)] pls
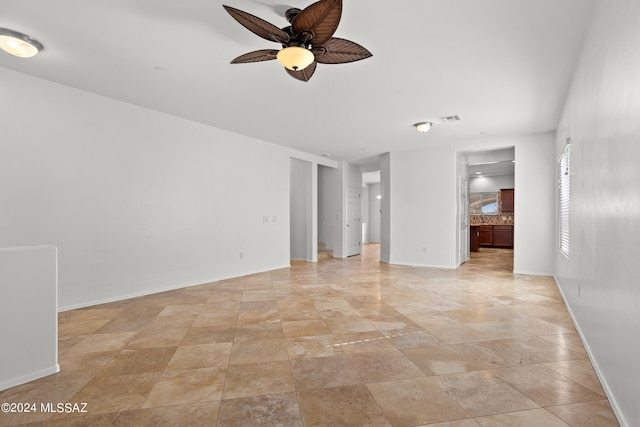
[(490, 184), (600, 280), (535, 198), (352, 175), (424, 203), (28, 314), (136, 201), (423, 207)]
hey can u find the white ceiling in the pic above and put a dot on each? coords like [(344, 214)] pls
[(491, 162), (503, 65)]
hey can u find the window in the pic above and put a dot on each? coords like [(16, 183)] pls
[(483, 204), (564, 178)]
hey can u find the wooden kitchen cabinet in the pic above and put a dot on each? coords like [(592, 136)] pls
[(503, 236), (485, 237), (495, 236), (474, 238), (507, 200)]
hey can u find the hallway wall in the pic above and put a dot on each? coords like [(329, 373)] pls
[(600, 279)]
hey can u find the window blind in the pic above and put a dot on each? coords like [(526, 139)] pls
[(564, 187)]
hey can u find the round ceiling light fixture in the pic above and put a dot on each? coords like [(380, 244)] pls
[(423, 127), (295, 58), (18, 44)]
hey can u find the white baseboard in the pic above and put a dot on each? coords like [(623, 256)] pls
[(30, 377), (533, 273), (605, 386), (442, 267), (158, 290)]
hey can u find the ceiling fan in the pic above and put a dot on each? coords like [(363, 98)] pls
[(305, 43)]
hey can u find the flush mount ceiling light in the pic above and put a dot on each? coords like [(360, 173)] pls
[(423, 127), (18, 44)]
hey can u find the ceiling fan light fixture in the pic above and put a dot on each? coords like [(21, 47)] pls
[(18, 44), (295, 58), (423, 127)]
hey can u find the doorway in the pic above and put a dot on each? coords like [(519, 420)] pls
[(301, 210), (371, 206), (488, 210), (354, 221)]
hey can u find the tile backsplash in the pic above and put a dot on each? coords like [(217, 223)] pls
[(502, 219)]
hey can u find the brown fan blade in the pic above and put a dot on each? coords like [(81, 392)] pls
[(305, 74), (256, 56), (320, 18), (258, 26), (340, 51)]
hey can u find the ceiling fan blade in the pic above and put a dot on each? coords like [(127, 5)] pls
[(258, 26), (305, 74), (340, 51), (256, 56), (321, 18)]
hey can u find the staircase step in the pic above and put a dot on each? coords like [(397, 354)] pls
[(323, 252), (326, 254)]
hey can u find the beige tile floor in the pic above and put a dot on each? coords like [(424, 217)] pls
[(338, 343)]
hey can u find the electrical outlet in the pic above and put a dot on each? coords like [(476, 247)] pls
[(424, 249), (265, 219), (241, 255)]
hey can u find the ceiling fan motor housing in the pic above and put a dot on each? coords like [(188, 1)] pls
[(291, 14), (302, 40)]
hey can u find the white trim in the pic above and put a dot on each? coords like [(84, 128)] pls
[(30, 377), (603, 382), (533, 273), (164, 289), (444, 267)]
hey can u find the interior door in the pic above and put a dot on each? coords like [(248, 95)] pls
[(354, 221)]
